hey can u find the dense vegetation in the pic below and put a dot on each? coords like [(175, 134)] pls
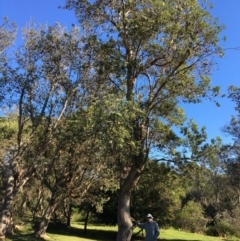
[(92, 121)]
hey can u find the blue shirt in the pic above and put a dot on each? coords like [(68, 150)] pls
[(151, 228)]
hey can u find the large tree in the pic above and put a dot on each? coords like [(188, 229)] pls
[(158, 54)]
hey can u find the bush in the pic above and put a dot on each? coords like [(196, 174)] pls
[(77, 216), (191, 218), (226, 223), (225, 229), (212, 231)]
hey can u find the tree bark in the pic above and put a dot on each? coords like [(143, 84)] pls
[(14, 184), (124, 221), (69, 214), (86, 222), (43, 225), (129, 177), (6, 212)]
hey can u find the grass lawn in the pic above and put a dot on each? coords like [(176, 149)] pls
[(105, 233)]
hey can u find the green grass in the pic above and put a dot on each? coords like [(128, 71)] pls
[(105, 233)]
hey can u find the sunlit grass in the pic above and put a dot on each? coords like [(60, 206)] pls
[(173, 234), (105, 233)]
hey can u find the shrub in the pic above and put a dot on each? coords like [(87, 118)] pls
[(226, 223), (191, 218), (224, 229)]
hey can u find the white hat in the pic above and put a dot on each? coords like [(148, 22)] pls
[(149, 216)]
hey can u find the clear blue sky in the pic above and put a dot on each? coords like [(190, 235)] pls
[(227, 73)]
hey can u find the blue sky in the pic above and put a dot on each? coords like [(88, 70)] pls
[(227, 72)]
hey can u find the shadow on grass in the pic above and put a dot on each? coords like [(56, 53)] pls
[(95, 234), (18, 236), (101, 235)]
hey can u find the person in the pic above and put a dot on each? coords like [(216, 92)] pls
[(151, 228)]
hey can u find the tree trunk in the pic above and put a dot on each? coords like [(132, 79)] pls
[(86, 222), (14, 183), (124, 222), (128, 178), (43, 225), (39, 205), (69, 214), (6, 212)]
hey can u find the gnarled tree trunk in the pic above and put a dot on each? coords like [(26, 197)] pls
[(43, 225), (129, 176), (15, 181), (6, 212)]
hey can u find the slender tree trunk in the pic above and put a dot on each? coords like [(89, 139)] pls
[(39, 205), (69, 214), (43, 225), (86, 222)]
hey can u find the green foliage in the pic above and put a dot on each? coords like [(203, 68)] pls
[(108, 216), (162, 199), (150, 51), (8, 128), (224, 229), (191, 218), (76, 216), (233, 127), (7, 35)]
